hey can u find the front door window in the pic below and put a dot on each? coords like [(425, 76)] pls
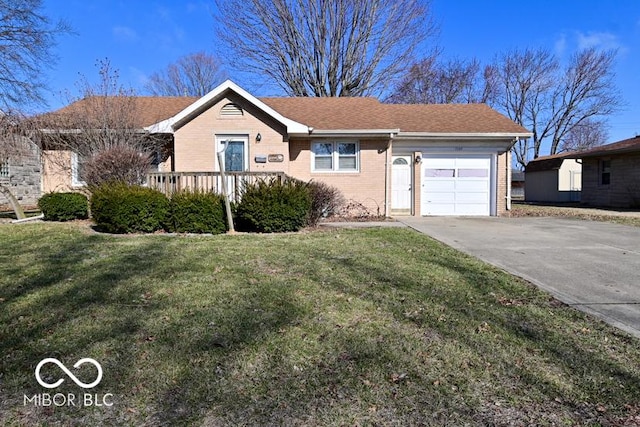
[(234, 157)]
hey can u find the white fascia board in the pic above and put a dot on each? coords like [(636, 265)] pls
[(477, 135), (164, 126), (169, 125), (326, 133)]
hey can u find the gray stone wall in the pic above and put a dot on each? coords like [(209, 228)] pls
[(24, 178)]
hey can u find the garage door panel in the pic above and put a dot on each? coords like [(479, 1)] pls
[(475, 198), (472, 186), (441, 186), (456, 186), (440, 209), (444, 197)]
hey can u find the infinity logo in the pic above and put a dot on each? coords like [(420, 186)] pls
[(68, 372)]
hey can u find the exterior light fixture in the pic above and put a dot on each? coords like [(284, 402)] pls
[(258, 137), (418, 159)]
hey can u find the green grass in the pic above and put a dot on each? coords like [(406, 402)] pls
[(348, 327)]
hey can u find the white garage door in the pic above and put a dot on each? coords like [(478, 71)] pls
[(456, 186)]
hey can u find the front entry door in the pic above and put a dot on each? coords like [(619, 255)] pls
[(401, 184), (235, 156)]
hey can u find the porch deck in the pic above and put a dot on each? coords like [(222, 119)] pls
[(170, 182)]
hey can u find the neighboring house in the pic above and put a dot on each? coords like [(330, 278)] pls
[(553, 179), (611, 174), (517, 184), (393, 159), (22, 175)]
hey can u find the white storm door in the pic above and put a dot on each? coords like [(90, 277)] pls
[(401, 183)]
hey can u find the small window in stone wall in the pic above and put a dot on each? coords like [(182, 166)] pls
[(4, 169)]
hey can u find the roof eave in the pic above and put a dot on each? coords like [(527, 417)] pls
[(604, 153), (465, 135), (371, 133), (171, 124)]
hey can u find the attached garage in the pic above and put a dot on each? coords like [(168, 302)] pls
[(456, 185)]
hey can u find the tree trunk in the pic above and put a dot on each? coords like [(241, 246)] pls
[(17, 209)]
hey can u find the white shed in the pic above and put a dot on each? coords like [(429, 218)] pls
[(553, 179)]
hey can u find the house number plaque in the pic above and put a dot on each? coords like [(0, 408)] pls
[(276, 158)]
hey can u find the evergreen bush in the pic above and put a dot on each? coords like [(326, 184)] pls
[(197, 212), (273, 206), (122, 208), (64, 206)]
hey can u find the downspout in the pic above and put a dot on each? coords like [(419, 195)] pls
[(508, 177), (386, 177)]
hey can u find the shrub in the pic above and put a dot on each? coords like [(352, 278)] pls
[(120, 208), (326, 201), (274, 206), (64, 206), (197, 212), (116, 164)]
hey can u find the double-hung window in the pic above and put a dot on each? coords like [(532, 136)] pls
[(77, 169), (335, 157)]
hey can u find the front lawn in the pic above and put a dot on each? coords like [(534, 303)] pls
[(344, 327)]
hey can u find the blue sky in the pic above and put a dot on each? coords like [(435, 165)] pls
[(140, 37)]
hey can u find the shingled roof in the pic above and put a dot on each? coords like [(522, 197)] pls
[(341, 114), (369, 113), (334, 112), (146, 110), (546, 163), (451, 118), (625, 146)]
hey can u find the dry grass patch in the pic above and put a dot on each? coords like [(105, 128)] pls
[(338, 327)]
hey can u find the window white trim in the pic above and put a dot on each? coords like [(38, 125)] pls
[(221, 141), (335, 157), (75, 178)]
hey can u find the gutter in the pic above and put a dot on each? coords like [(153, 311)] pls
[(383, 133), (458, 135)]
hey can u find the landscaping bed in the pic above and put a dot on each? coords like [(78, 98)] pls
[(333, 327)]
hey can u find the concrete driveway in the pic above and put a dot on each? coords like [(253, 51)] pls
[(593, 266)]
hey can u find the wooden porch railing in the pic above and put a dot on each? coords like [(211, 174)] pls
[(170, 182)]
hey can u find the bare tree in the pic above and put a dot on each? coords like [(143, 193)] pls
[(195, 74), (539, 94), (27, 38), (588, 134), (325, 47), (429, 81), (103, 129), (525, 79)]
